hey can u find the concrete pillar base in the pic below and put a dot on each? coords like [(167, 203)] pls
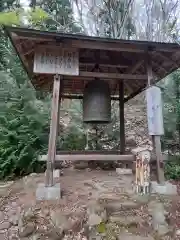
[(48, 193), (166, 188)]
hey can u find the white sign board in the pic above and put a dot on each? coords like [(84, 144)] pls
[(56, 60), (154, 111)]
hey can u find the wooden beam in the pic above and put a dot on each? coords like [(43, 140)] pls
[(166, 58), (83, 75), (118, 47), (132, 70), (121, 117), (68, 96), (89, 152), (159, 158), (53, 131), (90, 157), (84, 44), (159, 66), (103, 65), (83, 41), (135, 47), (28, 52), (135, 67), (113, 75), (139, 90), (22, 56)]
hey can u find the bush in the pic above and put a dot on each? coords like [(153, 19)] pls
[(172, 168), (22, 140), (72, 139), (24, 131)]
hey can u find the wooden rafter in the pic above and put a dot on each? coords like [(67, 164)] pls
[(166, 58), (29, 52), (104, 65), (158, 66), (132, 70), (113, 75)]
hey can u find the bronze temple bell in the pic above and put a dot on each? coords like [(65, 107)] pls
[(97, 102)]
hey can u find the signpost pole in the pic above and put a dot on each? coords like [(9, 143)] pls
[(157, 147), (155, 120), (55, 61), (53, 131)]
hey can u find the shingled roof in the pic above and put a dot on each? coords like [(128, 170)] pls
[(117, 60)]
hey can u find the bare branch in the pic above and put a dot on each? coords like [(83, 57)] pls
[(125, 17)]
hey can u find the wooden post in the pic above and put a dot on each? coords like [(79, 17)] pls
[(159, 158), (121, 117), (156, 140), (53, 131)]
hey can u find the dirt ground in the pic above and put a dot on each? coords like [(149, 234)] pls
[(79, 189)]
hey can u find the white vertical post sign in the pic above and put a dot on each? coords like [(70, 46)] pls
[(154, 111)]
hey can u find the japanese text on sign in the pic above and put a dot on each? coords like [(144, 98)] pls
[(49, 60), (154, 111)]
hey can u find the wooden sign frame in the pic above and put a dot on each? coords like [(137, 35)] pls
[(56, 60)]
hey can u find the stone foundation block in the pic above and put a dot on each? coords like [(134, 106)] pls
[(166, 188), (123, 171), (48, 193)]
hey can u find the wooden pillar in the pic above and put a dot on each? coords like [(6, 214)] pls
[(121, 117), (53, 130), (156, 140)]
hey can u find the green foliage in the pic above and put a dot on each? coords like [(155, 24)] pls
[(73, 137), (37, 17), (172, 168), (24, 119), (60, 15), (73, 140), (171, 138), (20, 146), (23, 129), (9, 4), (101, 227), (171, 96), (10, 18), (19, 17)]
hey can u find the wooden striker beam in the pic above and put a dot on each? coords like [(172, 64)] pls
[(90, 157), (53, 131)]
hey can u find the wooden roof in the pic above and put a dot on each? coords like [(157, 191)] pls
[(117, 60)]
